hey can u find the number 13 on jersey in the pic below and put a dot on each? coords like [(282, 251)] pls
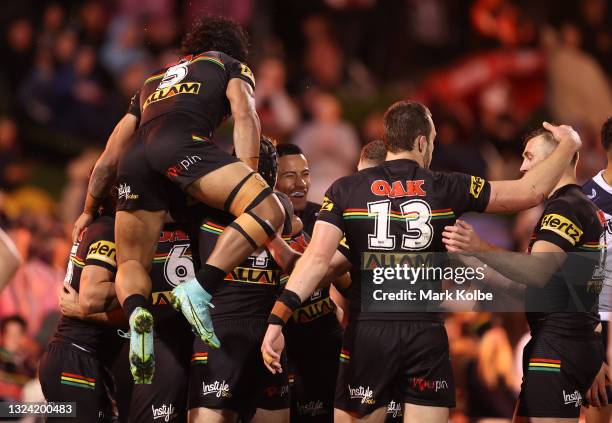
[(416, 215)]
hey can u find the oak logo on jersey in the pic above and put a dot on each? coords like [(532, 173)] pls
[(562, 226), (327, 205), (246, 71), (103, 251), (398, 189), (165, 93), (476, 186)]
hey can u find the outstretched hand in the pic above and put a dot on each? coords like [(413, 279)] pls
[(461, 238), (272, 348)]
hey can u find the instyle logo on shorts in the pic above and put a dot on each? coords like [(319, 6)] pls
[(312, 408), (219, 389), (165, 412), (125, 191), (183, 165), (573, 398), (394, 409), (364, 394), (428, 385)]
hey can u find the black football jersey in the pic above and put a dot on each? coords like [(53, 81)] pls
[(319, 304), (397, 207), (252, 287), (172, 265), (309, 216), (196, 86), (567, 304), (95, 247)]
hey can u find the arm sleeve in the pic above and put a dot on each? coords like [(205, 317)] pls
[(466, 192), (333, 206), (560, 226), (236, 69), (134, 107), (99, 241), (344, 248)]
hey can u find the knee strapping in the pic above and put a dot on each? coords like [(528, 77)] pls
[(251, 191), (254, 229)]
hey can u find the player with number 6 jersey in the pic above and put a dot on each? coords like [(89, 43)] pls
[(399, 207)]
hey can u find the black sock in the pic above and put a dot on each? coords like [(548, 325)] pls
[(211, 278), (133, 301)]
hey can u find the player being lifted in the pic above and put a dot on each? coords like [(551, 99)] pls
[(180, 108), (565, 353), (383, 352)]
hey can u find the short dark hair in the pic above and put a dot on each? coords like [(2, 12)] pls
[(268, 160), (12, 319), (548, 136), (216, 33), (606, 133), (374, 151), (403, 122), (288, 150)]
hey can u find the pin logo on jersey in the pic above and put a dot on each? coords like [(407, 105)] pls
[(398, 189), (562, 226)]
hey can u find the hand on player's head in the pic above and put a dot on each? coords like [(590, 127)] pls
[(564, 133)]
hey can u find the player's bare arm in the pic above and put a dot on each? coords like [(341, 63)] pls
[(535, 269), (70, 307), (535, 185), (97, 290), (287, 258), (105, 171), (308, 272), (247, 128)]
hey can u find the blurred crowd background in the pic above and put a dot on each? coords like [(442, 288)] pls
[(489, 70)]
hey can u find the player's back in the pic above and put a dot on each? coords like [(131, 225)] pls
[(194, 86), (395, 209)]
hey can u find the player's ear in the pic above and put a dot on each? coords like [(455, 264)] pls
[(421, 143)]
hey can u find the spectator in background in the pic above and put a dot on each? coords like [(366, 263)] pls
[(28, 293), (278, 114), (16, 368), (18, 48), (9, 259), (12, 171), (594, 23), (123, 47), (579, 92), (491, 378), (331, 145)]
